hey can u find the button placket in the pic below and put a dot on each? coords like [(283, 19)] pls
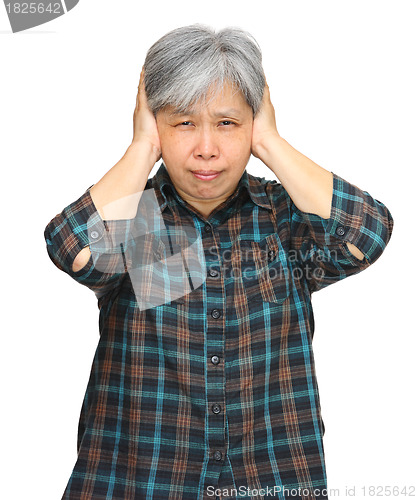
[(215, 332), (215, 297)]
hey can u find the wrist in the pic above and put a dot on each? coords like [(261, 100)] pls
[(267, 145), (144, 151)]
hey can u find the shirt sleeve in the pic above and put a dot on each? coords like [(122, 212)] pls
[(320, 245), (80, 225)]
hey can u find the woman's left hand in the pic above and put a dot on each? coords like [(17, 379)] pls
[(264, 126)]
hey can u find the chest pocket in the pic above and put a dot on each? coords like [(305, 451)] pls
[(263, 268)]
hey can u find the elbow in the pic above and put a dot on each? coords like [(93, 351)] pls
[(381, 235), (50, 247), (387, 227), (390, 224)]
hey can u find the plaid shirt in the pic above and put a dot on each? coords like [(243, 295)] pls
[(215, 389)]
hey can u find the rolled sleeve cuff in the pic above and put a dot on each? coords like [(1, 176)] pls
[(68, 233), (80, 225), (108, 240), (355, 218), (346, 216)]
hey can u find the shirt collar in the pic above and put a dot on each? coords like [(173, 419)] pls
[(255, 186)]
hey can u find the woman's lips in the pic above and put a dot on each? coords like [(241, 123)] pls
[(206, 175)]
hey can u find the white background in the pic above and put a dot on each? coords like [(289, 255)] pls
[(343, 81)]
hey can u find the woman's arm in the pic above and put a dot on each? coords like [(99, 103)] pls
[(309, 186), (116, 195)]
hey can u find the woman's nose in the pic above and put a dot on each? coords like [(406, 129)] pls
[(206, 146)]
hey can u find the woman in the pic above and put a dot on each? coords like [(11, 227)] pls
[(211, 391)]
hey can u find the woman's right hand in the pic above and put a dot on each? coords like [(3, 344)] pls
[(144, 123)]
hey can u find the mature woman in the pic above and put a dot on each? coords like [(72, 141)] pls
[(212, 393)]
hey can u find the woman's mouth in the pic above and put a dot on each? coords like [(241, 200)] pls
[(206, 175)]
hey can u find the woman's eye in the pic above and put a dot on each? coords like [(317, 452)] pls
[(186, 123), (226, 122)]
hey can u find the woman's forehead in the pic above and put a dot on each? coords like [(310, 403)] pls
[(225, 101)]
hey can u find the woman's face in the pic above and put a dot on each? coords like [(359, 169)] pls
[(206, 152)]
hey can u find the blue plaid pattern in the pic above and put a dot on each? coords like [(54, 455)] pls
[(214, 394)]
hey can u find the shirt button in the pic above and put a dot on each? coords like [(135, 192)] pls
[(217, 455), (216, 408), (94, 235), (340, 231), (213, 273), (215, 313), (207, 228), (215, 360)]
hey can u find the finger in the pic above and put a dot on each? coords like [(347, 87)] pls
[(142, 78), (141, 92), (267, 94), (140, 86)]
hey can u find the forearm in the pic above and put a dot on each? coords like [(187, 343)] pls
[(117, 193), (309, 185)]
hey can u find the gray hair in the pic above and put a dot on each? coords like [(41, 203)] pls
[(183, 66)]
